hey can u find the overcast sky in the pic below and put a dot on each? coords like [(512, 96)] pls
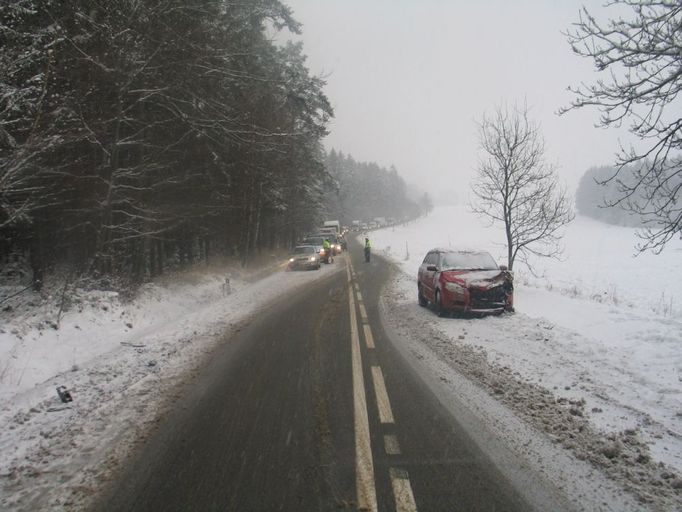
[(409, 78)]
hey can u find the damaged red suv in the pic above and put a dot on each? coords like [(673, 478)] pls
[(464, 281)]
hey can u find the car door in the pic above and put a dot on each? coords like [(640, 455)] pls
[(428, 279), (421, 275)]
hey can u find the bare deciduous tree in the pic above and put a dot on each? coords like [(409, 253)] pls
[(514, 185), (643, 57)]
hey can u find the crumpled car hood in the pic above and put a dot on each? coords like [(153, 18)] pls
[(482, 279)]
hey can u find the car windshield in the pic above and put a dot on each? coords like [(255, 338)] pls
[(468, 261), (305, 249)]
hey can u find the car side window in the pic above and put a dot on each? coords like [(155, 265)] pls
[(426, 259), (432, 258)]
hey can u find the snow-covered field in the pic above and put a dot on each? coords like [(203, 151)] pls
[(121, 361), (600, 330)]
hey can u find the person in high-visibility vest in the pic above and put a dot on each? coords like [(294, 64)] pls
[(327, 246), (368, 248)]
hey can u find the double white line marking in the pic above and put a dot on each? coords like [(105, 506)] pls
[(364, 463)]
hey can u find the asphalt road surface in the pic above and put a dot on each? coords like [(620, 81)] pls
[(311, 408)]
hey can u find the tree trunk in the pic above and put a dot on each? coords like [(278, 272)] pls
[(257, 224), (247, 225), (189, 247), (159, 256), (510, 249), (139, 263), (152, 258), (37, 262), (106, 220)]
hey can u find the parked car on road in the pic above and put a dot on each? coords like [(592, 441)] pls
[(337, 244), (318, 241), (305, 257), (464, 281), (332, 237)]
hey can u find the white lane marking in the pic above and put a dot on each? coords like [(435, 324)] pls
[(363, 312), (348, 273), (391, 445), (288, 438), (369, 339), (402, 491), (383, 404), (365, 489), (359, 296), (364, 465)]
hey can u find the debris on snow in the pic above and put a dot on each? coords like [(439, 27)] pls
[(64, 395)]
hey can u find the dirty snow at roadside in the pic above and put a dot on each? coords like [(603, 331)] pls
[(600, 330), (120, 361)]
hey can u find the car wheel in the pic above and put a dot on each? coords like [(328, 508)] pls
[(420, 298), (439, 305)]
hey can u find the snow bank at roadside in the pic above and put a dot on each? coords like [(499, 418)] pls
[(36, 342), (121, 362), (606, 356), (504, 414)]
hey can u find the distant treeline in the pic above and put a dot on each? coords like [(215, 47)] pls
[(364, 191), (596, 190)]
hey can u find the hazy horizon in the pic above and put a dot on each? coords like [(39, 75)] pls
[(408, 80)]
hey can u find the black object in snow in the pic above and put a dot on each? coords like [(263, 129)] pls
[(64, 394)]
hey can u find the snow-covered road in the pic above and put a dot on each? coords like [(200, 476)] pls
[(122, 363)]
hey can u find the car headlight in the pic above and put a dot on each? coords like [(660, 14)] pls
[(321, 252), (291, 260), (312, 258), (454, 287)]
